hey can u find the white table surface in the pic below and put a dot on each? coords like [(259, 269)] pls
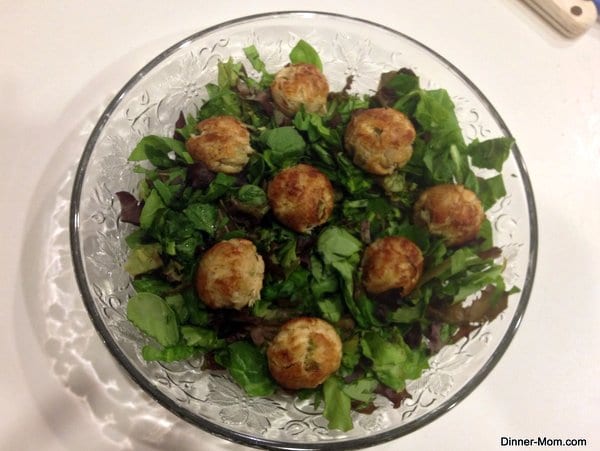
[(61, 61)]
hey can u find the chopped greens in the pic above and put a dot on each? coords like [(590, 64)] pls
[(393, 361), (248, 367), (182, 209)]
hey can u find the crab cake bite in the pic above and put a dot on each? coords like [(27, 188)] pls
[(379, 140), (301, 197), (451, 211), (304, 353), (223, 144), (300, 84), (230, 275), (393, 262)]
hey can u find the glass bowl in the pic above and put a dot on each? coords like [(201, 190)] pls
[(150, 104)]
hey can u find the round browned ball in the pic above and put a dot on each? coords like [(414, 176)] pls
[(230, 274), (298, 85), (392, 262), (222, 144), (304, 353), (301, 197), (379, 140), (451, 211)]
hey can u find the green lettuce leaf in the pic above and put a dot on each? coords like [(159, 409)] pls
[(351, 353), (201, 337), (220, 186), (151, 284), (324, 281), (337, 405), (188, 130), (435, 113), (169, 353), (203, 217), (490, 190), (340, 251), (248, 367), (393, 361), (313, 125), (157, 149), (153, 316), (362, 390), (144, 258), (228, 73), (285, 146), (152, 205), (258, 64), (331, 308), (336, 244), (177, 304), (303, 52), (491, 153)]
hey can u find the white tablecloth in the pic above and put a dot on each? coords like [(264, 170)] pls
[(60, 63)]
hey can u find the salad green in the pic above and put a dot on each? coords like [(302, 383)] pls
[(181, 209)]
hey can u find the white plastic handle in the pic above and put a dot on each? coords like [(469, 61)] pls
[(570, 17)]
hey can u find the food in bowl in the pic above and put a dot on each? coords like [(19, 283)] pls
[(339, 259), (301, 197), (379, 140), (230, 275), (300, 86)]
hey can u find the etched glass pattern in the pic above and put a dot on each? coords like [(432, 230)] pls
[(151, 103)]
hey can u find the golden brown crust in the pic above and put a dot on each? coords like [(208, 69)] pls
[(300, 84), (393, 262), (379, 140), (230, 274), (223, 144), (304, 353), (451, 211), (301, 197)]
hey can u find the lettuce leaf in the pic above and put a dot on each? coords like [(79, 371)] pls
[(153, 316), (152, 205), (362, 389), (169, 353), (248, 367), (340, 251), (201, 337), (337, 404), (285, 146), (491, 153), (303, 52), (157, 149), (258, 64), (202, 216), (435, 113), (144, 258), (393, 361)]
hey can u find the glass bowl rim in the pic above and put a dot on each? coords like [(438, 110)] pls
[(247, 439)]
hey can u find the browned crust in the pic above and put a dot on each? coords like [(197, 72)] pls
[(392, 262), (300, 84), (301, 197), (379, 140), (305, 352), (223, 144), (230, 274), (451, 211)]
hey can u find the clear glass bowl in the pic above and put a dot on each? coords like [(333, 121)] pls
[(150, 104)]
